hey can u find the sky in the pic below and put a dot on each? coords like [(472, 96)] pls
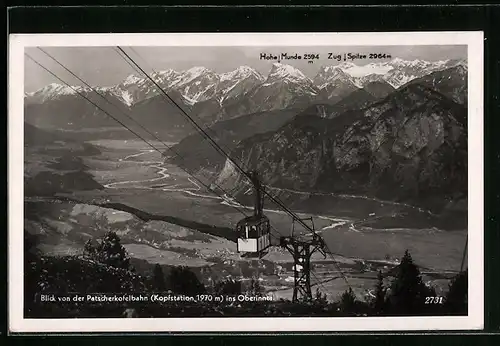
[(103, 66)]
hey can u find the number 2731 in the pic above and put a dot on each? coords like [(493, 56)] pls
[(433, 300)]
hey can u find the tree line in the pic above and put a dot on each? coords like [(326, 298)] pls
[(104, 267)]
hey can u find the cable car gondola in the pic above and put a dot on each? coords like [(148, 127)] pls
[(254, 232)]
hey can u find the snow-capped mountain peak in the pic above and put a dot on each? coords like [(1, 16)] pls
[(345, 65), (396, 72), (197, 71), (241, 73), (238, 82), (332, 72), (397, 61), (166, 73), (53, 91), (357, 71), (55, 88), (131, 79), (329, 75), (194, 73), (283, 71), (197, 83)]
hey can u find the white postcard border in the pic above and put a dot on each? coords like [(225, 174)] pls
[(475, 318)]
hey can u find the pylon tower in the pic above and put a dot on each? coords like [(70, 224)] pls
[(301, 250)]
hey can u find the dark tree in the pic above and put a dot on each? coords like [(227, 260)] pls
[(320, 298), (408, 291), (183, 280), (159, 283), (229, 287), (31, 251), (379, 302), (348, 301), (457, 297), (89, 249), (31, 274), (108, 251), (255, 288), (112, 252)]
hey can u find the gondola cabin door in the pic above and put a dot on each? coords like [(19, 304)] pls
[(254, 232)]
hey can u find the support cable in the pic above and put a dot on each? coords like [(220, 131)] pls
[(132, 131), (156, 73), (214, 144), (122, 124)]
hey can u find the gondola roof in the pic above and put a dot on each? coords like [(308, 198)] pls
[(253, 219)]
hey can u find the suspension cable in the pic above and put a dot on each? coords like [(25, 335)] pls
[(224, 150), (108, 101), (132, 131), (214, 144), (207, 128), (136, 134), (221, 151), (89, 100)]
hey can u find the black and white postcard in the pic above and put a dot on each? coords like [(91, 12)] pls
[(242, 182)]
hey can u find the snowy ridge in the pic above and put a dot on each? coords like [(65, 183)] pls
[(240, 73), (372, 68), (132, 79), (200, 83), (331, 74), (282, 71), (55, 89), (293, 78), (396, 72), (192, 74)]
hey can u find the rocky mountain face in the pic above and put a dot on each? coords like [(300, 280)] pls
[(379, 89), (357, 99), (195, 153), (451, 82), (135, 89), (197, 84), (238, 82), (334, 83), (410, 146), (285, 87)]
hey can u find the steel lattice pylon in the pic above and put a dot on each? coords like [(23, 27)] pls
[(301, 251)]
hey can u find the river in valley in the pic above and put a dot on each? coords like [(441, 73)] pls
[(140, 178)]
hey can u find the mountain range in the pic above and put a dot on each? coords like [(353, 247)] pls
[(200, 84), (212, 97), (394, 130)]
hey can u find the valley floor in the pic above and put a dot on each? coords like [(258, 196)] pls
[(366, 234)]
